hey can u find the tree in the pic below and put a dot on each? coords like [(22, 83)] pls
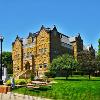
[(97, 65), (99, 48), (64, 64), (86, 62), (50, 74), (98, 52), (7, 61)]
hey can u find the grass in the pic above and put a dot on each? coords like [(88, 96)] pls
[(75, 88)]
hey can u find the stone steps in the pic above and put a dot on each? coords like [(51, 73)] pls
[(21, 74)]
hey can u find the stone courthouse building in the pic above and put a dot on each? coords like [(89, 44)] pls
[(34, 53)]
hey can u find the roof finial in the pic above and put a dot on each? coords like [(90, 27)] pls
[(78, 34), (17, 37), (55, 28), (42, 27), (91, 46)]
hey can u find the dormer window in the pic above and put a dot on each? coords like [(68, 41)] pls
[(60, 35)]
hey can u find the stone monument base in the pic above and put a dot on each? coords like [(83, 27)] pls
[(4, 89)]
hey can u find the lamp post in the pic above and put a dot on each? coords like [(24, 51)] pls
[(1, 81)]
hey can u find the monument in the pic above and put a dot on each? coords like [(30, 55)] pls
[(4, 74)]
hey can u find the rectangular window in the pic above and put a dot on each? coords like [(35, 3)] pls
[(45, 65), (43, 50)]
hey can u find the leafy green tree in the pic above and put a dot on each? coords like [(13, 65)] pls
[(7, 61), (63, 64), (98, 53), (99, 48)]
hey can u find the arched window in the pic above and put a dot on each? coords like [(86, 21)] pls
[(27, 65)]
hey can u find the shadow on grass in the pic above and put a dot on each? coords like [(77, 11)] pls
[(82, 80), (78, 79), (30, 91), (40, 89)]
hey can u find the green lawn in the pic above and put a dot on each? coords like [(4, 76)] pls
[(75, 88)]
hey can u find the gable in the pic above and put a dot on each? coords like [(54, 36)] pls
[(43, 36)]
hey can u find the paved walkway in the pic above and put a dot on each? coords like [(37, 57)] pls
[(15, 96)]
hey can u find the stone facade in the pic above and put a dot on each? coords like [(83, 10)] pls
[(77, 44), (37, 50), (17, 55)]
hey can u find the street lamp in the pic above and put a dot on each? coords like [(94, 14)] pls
[(1, 40)]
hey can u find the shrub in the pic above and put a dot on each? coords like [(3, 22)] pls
[(8, 83), (32, 77), (28, 80), (20, 81), (17, 82), (50, 74)]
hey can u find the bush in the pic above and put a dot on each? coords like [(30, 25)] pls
[(50, 74), (8, 83), (28, 80), (20, 82), (32, 77), (17, 82)]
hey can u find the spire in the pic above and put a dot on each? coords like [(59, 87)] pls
[(91, 46), (55, 29), (17, 37), (30, 34), (42, 27), (79, 35)]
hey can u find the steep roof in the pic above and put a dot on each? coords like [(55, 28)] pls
[(17, 38), (73, 38), (88, 47)]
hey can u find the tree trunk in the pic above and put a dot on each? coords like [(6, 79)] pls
[(89, 75), (67, 75), (71, 73)]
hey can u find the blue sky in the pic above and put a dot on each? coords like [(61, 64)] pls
[(70, 16)]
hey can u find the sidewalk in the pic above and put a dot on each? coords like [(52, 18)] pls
[(15, 96)]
